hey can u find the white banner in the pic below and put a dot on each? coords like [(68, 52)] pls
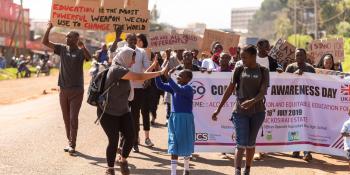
[(304, 113)]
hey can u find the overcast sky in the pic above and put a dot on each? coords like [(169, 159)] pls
[(215, 13)]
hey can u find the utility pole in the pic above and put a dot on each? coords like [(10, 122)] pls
[(23, 28), (316, 26), (295, 21)]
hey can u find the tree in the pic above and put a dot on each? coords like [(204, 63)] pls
[(343, 29)]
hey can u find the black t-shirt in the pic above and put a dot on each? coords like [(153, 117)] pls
[(182, 67), (71, 68)]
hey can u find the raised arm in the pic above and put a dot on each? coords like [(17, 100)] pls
[(46, 40), (163, 86), (87, 54), (179, 89), (118, 33)]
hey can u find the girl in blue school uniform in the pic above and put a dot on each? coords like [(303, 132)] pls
[(181, 129)]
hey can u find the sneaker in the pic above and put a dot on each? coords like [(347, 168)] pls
[(110, 171), (66, 149), (135, 149), (296, 154), (257, 156), (124, 168), (224, 156), (307, 157), (148, 142), (71, 150), (186, 172)]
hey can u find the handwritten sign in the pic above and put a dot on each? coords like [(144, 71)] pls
[(104, 15), (161, 41), (318, 48), (227, 40), (284, 53)]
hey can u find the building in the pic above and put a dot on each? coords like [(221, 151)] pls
[(198, 28), (10, 14), (240, 18)]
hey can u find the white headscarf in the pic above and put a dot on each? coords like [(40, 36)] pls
[(124, 56)]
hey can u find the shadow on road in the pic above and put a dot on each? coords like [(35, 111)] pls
[(275, 162)]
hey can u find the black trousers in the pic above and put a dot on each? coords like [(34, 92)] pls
[(112, 125), (136, 105)]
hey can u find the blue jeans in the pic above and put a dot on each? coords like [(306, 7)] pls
[(247, 127)]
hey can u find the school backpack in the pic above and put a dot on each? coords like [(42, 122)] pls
[(97, 94)]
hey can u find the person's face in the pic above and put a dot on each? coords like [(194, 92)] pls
[(264, 48), (139, 43), (300, 57), (247, 58), (131, 40), (225, 60), (104, 47), (218, 48), (72, 39), (179, 54), (187, 58), (182, 78), (195, 53), (327, 62)]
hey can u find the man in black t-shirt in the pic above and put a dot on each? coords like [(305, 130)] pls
[(70, 81)]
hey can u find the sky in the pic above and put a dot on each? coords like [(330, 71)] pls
[(179, 13)]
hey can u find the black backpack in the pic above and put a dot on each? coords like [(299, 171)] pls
[(97, 94)]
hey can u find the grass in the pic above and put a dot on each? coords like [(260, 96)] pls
[(10, 73)]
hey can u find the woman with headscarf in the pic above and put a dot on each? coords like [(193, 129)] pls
[(116, 117)]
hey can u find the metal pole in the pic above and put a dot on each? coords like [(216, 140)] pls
[(23, 28), (295, 21), (316, 26)]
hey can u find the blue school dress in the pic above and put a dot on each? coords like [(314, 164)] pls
[(181, 128)]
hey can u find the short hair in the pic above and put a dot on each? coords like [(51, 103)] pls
[(262, 41), (301, 50), (143, 38), (130, 35), (188, 73), (213, 44), (75, 33), (251, 49)]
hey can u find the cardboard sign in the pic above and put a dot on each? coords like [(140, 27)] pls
[(318, 48), (284, 53), (161, 41), (101, 15), (227, 40)]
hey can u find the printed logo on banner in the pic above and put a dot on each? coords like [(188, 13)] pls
[(198, 90), (293, 135), (345, 91), (202, 137), (269, 135)]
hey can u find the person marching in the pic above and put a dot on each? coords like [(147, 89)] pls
[(70, 81), (117, 117), (250, 82), (181, 129)]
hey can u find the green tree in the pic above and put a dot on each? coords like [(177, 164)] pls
[(299, 41), (343, 29)]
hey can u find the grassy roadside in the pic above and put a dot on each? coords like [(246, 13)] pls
[(10, 73)]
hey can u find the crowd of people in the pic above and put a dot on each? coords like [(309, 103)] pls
[(136, 80)]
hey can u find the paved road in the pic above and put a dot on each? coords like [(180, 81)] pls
[(32, 140)]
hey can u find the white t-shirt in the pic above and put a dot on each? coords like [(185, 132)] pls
[(262, 61), (346, 129), (209, 64)]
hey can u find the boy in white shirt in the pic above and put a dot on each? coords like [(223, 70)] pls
[(345, 132)]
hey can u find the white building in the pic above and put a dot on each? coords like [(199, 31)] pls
[(240, 18)]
